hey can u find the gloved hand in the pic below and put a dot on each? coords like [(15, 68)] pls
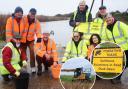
[(55, 64), (24, 63), (47, 56), (17, 73)]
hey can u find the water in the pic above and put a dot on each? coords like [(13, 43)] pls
[(74, 63), (62, 31)]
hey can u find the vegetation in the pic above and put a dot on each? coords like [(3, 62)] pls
[(58, 17), (122, 16), (66, 78), (3, 19), (108, 75), (118, 15)]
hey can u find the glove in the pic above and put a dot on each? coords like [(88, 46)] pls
[(55, 64), (17, 74), (25, 63)]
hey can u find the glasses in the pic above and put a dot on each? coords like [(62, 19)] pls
[(76, 36)]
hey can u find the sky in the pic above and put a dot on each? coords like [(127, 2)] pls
[(53, 7)]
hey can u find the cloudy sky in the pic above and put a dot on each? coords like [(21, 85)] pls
[(53, 7)]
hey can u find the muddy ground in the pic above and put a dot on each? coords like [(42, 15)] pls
[(47, 82)]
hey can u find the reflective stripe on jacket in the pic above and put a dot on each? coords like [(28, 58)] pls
[(13, 29), (32, 29), (90, 28), (41, 49), (86, 16), (73, 52), (119, 35)]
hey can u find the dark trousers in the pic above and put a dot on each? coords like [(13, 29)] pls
[(126, 53), (30, 45), (40, 60)]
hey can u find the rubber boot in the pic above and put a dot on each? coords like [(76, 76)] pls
[(39, 72)]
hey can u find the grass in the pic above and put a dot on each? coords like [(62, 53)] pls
[(3, 19), (66, 78), (108, 75)]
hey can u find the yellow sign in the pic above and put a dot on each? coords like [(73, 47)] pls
[(82, 27), (108, 60), (92, 26), (111, 52), (95, 26), (108, 65)]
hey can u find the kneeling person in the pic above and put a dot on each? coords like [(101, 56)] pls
[(75, 48), (46, 52), (12, 59)]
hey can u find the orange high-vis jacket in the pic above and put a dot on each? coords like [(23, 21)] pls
[(90, 50), (32, 29), (41, 49), (13, 29)]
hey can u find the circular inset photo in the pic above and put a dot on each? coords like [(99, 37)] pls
[(108, 60), (77, 73)]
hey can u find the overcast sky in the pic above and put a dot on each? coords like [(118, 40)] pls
[(53, 7)]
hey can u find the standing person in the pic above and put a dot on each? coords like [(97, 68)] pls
[(46, 52), (81, 15), (94, 41), (75, 48), (100, 16), (13, 58), (33, 28), (16, 26), (117, 32)]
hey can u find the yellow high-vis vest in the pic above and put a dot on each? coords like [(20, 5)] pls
[(73, 52), (14, 60), (119, 35), (90, 28), (86, 16)]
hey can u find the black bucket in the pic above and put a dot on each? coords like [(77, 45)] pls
[(22, 81)]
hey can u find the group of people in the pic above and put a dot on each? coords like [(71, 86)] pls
[(20, 34), (111, 30), (21, 31), (78, 46)]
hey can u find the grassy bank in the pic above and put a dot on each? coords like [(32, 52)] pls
[(122, 16), (66, 78), (3, 19)]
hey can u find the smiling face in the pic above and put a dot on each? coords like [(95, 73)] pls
[(19, 15), (46, 36), (31, 16), (103, 11), (109, 20), (76, 36), (16, 41), (82, 6), (95, 39)]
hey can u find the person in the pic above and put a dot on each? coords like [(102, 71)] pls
[(75, 48), (94, 41), (13, 59), (100, 16), (33, 28), (46, 52), (16, 26), (116, 32), (81, 15)]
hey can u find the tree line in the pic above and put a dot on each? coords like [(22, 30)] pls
[(122, 16)]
